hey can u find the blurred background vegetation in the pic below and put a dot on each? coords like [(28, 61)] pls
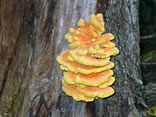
[(148, 52)]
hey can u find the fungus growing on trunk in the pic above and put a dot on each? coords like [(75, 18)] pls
[(87, 62)]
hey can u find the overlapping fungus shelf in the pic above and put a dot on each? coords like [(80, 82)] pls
[(86, 64)]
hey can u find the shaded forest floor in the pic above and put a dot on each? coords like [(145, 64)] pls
[(148, 52)]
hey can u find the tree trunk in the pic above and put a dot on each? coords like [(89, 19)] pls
[(32, 36)]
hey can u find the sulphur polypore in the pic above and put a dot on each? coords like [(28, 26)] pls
[(87, 61)]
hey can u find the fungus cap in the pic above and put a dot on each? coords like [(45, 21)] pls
[(96, 92), (108, 83), (94, 79), (71, 90), (79, 68), (88, 60)]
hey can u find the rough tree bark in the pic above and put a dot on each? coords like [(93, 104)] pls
[(31, 36)]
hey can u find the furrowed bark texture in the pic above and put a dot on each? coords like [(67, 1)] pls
[(32, 36), (121, 19)]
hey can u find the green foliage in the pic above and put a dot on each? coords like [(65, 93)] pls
[(152, 111), (147, 57)]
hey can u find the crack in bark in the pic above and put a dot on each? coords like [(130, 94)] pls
[(34, 110), (12, 56), (10, 61)]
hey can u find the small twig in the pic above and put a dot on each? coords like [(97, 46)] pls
[(148, 66), (148, 36)]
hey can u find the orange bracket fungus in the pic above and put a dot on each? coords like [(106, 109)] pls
[(86, 64)]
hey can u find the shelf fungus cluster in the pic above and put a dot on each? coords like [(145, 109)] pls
[(86, 63)]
